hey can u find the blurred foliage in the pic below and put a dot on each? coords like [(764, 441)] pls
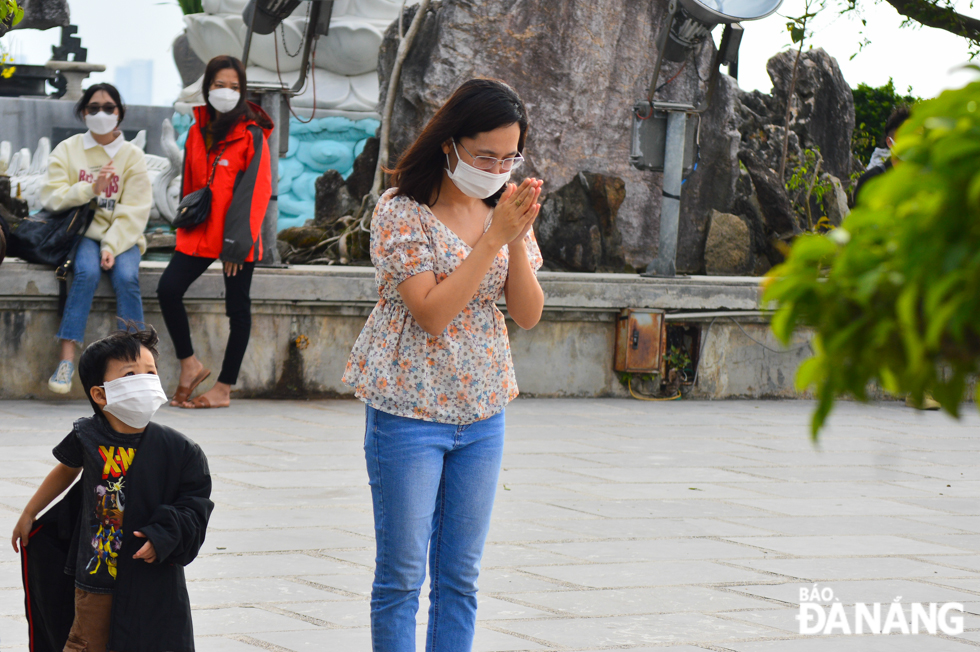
[(807, 187), (10, 15), (894, 293), (872, 106), (191, 6)]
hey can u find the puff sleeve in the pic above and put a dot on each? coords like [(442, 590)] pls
[(533, 251), (400, 247)]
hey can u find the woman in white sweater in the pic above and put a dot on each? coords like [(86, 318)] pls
[(99, 165)]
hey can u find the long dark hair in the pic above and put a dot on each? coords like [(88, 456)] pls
[(219, 127), (478, 106), (92, 90)]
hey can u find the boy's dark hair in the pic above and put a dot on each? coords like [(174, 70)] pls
[(895, 120), (92, 90), (121, 345)]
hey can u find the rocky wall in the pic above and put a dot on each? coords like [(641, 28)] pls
[(579, 67)]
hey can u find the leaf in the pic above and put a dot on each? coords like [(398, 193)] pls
[(796, 33), (783, 322), (809, 373)]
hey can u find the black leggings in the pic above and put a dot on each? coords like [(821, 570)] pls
[(180, 273)]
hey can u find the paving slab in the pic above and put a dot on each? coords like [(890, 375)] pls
[(681, 526)]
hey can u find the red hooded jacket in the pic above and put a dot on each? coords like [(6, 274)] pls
[(240, 191)]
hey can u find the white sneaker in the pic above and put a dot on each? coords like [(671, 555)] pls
[(60, 381)]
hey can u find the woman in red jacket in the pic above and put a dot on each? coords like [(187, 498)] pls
[(228, 138)]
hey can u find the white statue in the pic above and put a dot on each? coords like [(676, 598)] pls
[(344, 76), (28, 173)]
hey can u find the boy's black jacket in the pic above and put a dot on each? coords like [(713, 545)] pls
[(168, 499)]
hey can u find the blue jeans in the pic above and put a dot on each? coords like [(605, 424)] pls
[(86, 272), (433, 486)]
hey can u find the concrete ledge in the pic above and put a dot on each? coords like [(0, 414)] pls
[(569, 353), (355, 285)]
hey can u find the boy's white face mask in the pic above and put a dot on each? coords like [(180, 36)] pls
[(134, 399), (474, 182)]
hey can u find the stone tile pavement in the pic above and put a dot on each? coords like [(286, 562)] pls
[(619, 524)]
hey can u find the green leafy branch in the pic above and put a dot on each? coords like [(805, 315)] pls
[(893, 296)]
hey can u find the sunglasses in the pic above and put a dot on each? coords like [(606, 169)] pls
[(94, 108)]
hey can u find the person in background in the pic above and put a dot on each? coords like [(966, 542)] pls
[(882, 158), (229, 137), (99, 165), (433, 361)]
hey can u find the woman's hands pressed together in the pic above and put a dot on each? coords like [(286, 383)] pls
[(515, 212)]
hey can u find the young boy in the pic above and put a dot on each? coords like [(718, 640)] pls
[(144, 509)]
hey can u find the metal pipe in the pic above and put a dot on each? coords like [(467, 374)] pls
[(717, 314), (670, 207), (248, 34), (307, 45), (661, 46), (715, 70), (270, 225)]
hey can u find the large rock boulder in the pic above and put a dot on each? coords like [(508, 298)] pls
[(333, 200), (774, 202), (822, 113), (835, 201), (44, 14), (579, 66), (728, 251), (362, 177), (576, 228)]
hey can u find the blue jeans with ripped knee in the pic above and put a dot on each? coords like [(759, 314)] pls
[(433, 487)]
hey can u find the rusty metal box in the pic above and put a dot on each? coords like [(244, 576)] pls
[(640, 340)]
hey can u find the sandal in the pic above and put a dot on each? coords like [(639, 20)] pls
[(202, 403), (183, 393)]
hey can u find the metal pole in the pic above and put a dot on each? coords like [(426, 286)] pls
[(670, 208), (271, 103), (248, 33), (661, 46)]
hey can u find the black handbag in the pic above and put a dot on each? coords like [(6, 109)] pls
[(195, 208), (49, 238)]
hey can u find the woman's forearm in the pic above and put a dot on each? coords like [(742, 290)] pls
[(525, 299), (59, 479), (434, 305)]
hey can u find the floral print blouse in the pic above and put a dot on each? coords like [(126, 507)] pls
[(463, 375)]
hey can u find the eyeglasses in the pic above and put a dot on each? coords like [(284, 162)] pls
[(94, 108), (486, 163)]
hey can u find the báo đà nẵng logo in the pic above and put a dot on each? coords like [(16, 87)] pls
[(821, 612)]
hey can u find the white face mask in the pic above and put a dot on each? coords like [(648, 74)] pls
[(474, 182), (134, 399), (101, 123), (223, 99)]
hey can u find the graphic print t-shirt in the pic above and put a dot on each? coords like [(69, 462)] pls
[(105, 457)]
